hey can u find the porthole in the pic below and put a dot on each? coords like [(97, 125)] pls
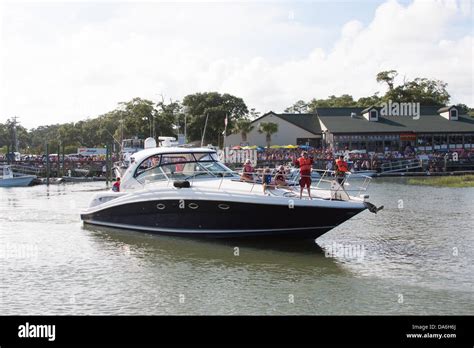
[(160, 206), (193, 205), (224, 206)]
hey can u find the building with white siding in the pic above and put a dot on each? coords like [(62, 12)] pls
[(293, 129)]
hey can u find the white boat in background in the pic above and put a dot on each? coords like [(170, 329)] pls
[(10, 179), (128, 148)]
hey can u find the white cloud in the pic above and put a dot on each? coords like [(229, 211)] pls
[(62, 63)]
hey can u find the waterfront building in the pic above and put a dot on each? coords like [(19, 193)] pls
[(432, 129), (293, 129)]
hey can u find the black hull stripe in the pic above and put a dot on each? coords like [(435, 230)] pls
[(193, 231)]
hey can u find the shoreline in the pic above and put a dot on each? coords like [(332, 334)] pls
[(461, 181)]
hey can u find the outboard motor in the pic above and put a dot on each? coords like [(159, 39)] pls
[(372, 208), (181, 184)]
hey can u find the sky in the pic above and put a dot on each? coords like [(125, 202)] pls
[(69, 61)]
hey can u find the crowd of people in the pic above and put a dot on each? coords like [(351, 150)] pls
[(92, 165), (361, 160), (322, 158), (287, 155)]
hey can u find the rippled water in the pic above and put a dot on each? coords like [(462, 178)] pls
[(414, 257)]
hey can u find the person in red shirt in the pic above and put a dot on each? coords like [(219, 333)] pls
[(341, 169), (116, 185), (305, 164)]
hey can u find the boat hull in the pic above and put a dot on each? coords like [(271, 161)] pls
[(222, 219), (17, 181)]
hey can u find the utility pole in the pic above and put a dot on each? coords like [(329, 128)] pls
[(15, 136), (151, 127), (204, 132), (121, 130), (59, 159), (185, 112), (47, 164), (185, 116), (62, 160), (107, 164)]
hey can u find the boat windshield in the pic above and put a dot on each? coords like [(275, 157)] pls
[(7, 172), (181, 166), (133, 143)]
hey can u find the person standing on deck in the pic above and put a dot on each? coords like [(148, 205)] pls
[(341, 169), (305, 164)]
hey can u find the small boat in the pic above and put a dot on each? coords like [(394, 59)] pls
[(128, 148), (189, 192), (10, 179)]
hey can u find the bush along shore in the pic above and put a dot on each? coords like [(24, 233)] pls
[(445, 181)]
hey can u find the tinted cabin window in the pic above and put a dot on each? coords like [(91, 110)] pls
[(206, 157), (182, 166), (149, 163), (177, 158)]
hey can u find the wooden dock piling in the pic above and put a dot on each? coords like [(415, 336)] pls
[(47, 164)]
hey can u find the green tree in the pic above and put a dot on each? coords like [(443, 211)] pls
[(388, 77), (364, 102), (69, 135), (243, 126), (332, 101), (138, 117), (44, 134), (300, 107), (463, 108), (254, 114), (3, 135), (7, 136), (420, 90), (170, 118), (215, 107), (268, 128)]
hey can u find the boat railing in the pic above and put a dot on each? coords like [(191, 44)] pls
[(357, 185), (403, 165), (27, 170), (327, 181)]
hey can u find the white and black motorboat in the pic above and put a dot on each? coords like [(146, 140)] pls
[(188, 191)]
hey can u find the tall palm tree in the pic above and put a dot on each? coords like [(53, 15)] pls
[(268, 128), (244, 127)]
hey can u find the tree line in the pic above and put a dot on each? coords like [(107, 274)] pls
[(143, 118)]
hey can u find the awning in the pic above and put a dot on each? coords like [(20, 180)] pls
[(407, 136)]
